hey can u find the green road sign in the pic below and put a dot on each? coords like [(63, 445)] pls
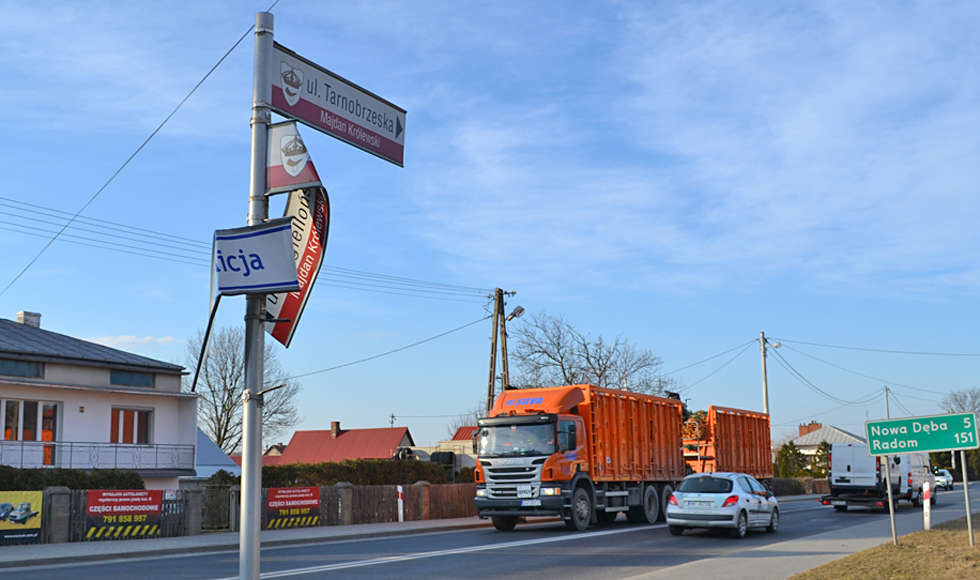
[(922, 434)]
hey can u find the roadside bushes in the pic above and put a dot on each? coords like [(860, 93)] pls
[(14, 479), (357, 472)]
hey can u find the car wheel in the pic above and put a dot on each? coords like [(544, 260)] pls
[(581, 509), (504, 523), (649, 511), (741, 526), (675, 530), (840, 508), (933, 499), (773, 522), (916, 500)]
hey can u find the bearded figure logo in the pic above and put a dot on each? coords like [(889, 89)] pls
[(294, 154), (292, 82)]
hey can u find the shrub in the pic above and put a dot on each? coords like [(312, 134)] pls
[(14, 479), (465, 475), (356, 471)]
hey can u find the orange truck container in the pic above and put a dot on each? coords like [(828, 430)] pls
[(580, 452), (730, 440)]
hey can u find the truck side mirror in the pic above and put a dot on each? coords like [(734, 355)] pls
[(898, 460)]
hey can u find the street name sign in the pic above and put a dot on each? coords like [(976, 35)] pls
[(256, 259), (313, 95), (922, 434)]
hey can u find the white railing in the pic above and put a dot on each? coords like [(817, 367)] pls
[(96, 455)]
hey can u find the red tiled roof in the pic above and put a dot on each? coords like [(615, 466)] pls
[(464, 433), (266, 459), (319, 446)]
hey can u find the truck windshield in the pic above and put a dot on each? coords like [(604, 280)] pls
[(501, 440)]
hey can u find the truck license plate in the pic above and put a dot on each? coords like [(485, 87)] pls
[(530, 502), (524, 491), (837, 502)]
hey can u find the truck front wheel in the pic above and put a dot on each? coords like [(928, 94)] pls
[(581, 510), (504, 523)]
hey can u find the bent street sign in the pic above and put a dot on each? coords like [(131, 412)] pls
[(256, 259), (317, 97), (922, 434)]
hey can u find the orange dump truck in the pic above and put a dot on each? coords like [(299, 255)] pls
[(580, 452), (729, 440)]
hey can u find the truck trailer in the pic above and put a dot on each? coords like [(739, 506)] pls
[(730, 440), (579, 452)]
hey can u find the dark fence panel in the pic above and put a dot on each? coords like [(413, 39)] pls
[(216, 507), (452, 501), (374, 504), (329, 506), (410, 497)]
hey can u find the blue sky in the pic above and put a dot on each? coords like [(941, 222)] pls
[(684, 175)]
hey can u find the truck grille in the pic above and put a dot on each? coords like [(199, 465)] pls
[(502, 482)]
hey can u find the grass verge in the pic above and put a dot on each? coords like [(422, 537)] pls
[(942, 553)]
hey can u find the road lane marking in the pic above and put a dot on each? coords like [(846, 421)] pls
[(438, 553)]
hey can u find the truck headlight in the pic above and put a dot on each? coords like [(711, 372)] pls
[(550, 491), (481, 492)]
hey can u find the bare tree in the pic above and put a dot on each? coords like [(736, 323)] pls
[(549, 351), (467, 419), (222, 382), (963, 401)]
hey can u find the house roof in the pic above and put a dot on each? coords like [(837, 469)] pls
[(828, 433), (464, 434), (210, 458), (25, 342), (266, 460), (320, 446)]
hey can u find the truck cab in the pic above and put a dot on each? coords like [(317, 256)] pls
[(527, 464)]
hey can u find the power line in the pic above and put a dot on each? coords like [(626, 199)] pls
[(711, 357), (131, 157), (431, 338), (876, 395), (689, 387), (879, 349), (806, 382), (862, 374)]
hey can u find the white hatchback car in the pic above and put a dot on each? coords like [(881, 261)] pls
[(722, 500)]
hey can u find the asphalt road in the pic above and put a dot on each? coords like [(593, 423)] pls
[(618, 551)]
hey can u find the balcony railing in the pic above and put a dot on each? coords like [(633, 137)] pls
[(97, 455)]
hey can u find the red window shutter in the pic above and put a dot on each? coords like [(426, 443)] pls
[(114, 428)]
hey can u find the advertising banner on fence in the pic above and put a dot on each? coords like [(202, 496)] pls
[(123, 513), (293, 507), (309, 209), (20, 517)]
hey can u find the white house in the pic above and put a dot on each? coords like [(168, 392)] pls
[(66, 402)]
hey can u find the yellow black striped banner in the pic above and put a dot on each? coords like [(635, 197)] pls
[(126, 531), (293, 522)]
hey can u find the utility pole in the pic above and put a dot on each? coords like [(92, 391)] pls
[(888, 479), (498, 307), (258, 213), (499, 327), (765, 385)]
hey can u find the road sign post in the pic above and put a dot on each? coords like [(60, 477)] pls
[(952, 432)]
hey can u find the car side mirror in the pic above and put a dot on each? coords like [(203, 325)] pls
[(768, 494)]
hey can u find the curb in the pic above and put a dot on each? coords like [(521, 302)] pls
[(227, 546)]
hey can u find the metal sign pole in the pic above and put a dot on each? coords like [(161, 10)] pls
[(888, 477), (966, 497), (258, 212)]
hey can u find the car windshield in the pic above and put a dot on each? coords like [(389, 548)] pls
[(706, 484), (517, 440)]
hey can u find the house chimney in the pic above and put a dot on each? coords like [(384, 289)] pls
[(32, 319), (334, 429), (813, 426)]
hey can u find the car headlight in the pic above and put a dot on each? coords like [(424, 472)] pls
[(481, 493), (550, 491)]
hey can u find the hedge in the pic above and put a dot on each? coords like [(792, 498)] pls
[(14, 479), (356, 471)]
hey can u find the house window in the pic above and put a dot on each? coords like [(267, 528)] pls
[(20, 368), (130, 426), (21, 420), (131, 379)]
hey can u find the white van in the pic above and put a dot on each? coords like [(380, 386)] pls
[(857, 478)]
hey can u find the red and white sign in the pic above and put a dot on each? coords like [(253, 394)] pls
[(310, 210), (289, 166), (333, 105)]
